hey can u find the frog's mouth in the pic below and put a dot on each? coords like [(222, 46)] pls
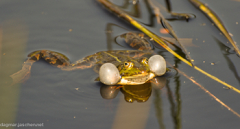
[(136, 79)]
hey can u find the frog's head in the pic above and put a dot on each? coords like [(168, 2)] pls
[(132, 72)]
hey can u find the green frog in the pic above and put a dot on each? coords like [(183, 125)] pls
[(115, 67)]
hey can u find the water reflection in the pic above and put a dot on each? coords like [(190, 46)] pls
[(131, 7), (178, 16), (175, 104), (13, 39), (142, 93), (138, 93), (226, 52), (109, 92)]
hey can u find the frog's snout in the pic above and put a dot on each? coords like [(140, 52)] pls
[(109, 74)]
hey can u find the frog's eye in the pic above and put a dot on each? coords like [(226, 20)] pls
[(109, 74), (157, 64), (144, 61), (128, 64)]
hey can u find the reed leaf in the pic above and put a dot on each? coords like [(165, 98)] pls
[(120, 13), (216, 20)]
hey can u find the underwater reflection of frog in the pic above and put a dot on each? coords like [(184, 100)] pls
[(115, 67), (139, 93)]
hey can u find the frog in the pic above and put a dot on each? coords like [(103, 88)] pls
[(115, 67)]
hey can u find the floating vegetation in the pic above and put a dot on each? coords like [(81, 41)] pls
[(121, 14), (161, 42), (216, 20)]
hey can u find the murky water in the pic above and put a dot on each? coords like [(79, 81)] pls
[(61, 99)]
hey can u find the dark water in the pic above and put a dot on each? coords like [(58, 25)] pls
[(61, 99)]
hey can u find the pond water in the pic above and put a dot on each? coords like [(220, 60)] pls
[(62, 99)]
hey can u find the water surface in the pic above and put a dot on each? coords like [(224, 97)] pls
[(62, 99)]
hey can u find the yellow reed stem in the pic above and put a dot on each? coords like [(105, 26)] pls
[(113, 8)]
